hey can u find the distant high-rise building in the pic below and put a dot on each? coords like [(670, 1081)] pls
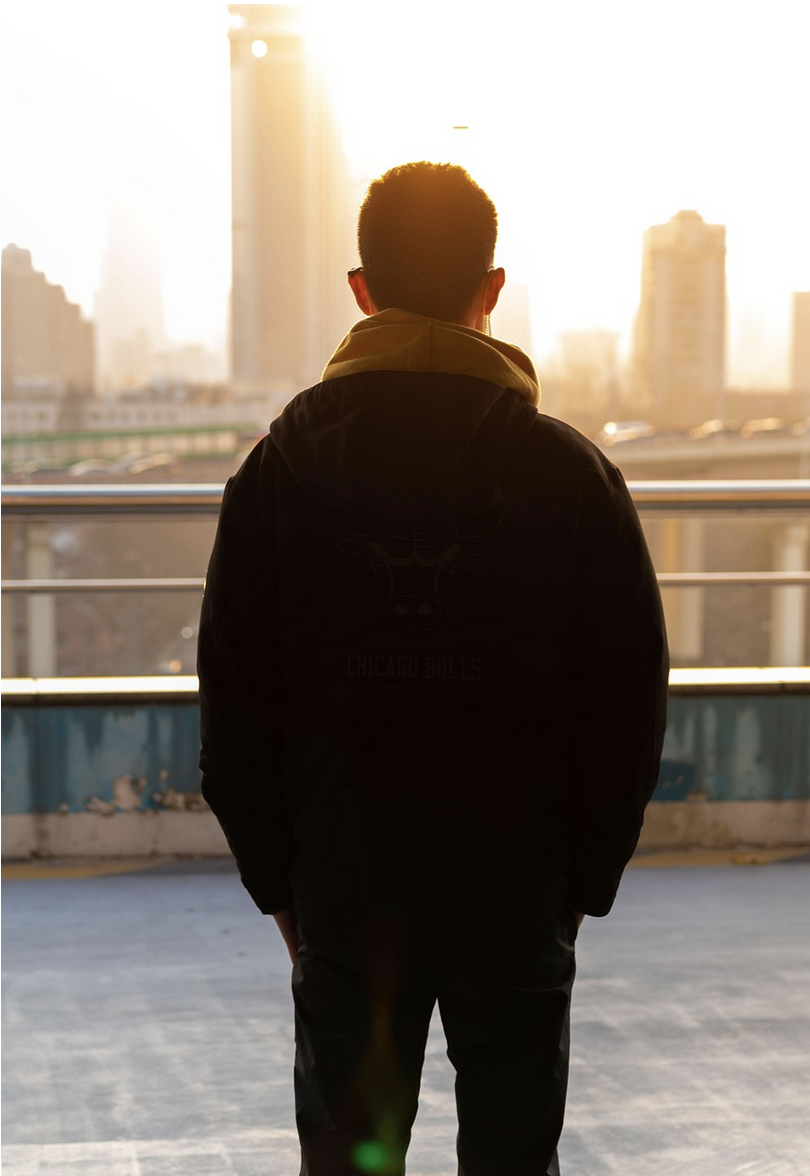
[(800, 343), (128, 307), (47, 343), (679, 343), (512, 317), (293, 235)]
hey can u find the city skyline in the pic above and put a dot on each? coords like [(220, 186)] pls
[(579, 166)]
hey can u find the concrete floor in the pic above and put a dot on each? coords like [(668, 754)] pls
[(148, 1029)]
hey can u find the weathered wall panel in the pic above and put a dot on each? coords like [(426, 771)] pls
[(734, 748), (121, 778), (100, 758)]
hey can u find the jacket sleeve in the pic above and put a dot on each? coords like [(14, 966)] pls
[(241, 686), (620, 682)]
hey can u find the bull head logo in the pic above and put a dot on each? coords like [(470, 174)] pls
[(414, 562)]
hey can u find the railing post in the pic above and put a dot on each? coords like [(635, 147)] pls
[(682, 548), (40, 607), (12, 545), (789, 605), (8, 643)]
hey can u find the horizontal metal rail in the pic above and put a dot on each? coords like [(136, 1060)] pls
[(30, 502), (738, 579), (696, 497), (25, 501), (196, 584), (131, 584)]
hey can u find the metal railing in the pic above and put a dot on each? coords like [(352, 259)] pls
[(101, 584), (22, 501), (197, 583), (47, 503), (55, 622), (29, 503)]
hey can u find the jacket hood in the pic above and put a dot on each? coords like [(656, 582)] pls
[(411, 418), (398, 341)]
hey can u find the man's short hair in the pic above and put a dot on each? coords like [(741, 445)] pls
[(426, 235)]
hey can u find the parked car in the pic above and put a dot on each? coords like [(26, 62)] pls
[(612, 432)]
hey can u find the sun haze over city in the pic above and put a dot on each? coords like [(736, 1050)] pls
[(586, 123), (181, 186)]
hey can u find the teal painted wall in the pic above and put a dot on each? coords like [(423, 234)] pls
[(75, 758), (115, 757), (737, 747)]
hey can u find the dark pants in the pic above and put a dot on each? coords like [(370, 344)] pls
[(361, 1028)]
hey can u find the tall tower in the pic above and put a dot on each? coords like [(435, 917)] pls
[(679, 344), (128, 306), (800, 343), (293, 236)]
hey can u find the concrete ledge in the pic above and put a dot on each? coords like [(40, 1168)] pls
[(151, 833), (721, 824), (139, 834), (693, 680)]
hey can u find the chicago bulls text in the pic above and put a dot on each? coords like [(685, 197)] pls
[(436, 667)]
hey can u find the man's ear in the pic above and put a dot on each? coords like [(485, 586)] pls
[(357, 281), (495, 281)]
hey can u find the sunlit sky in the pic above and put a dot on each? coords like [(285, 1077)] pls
[(588, 122)]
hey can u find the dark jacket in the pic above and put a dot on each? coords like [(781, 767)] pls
[(432, 657)]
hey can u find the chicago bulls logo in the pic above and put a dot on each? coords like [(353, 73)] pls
[(415, 561)]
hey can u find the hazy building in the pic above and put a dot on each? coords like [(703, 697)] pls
[(583, 379), (192, 363), (293, 229), (800, 343), (679, 343), (128, 307), (47, 344), (512, 317)]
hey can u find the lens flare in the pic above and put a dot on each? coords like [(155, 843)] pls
[(370, 1156)]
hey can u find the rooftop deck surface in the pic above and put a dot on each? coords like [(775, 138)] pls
[(148, 1027)]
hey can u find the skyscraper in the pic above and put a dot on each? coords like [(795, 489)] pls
[(679, 343), (800, 343), (293, 237), (128, 306)]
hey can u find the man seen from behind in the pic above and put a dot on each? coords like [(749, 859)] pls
[(433, 686)]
